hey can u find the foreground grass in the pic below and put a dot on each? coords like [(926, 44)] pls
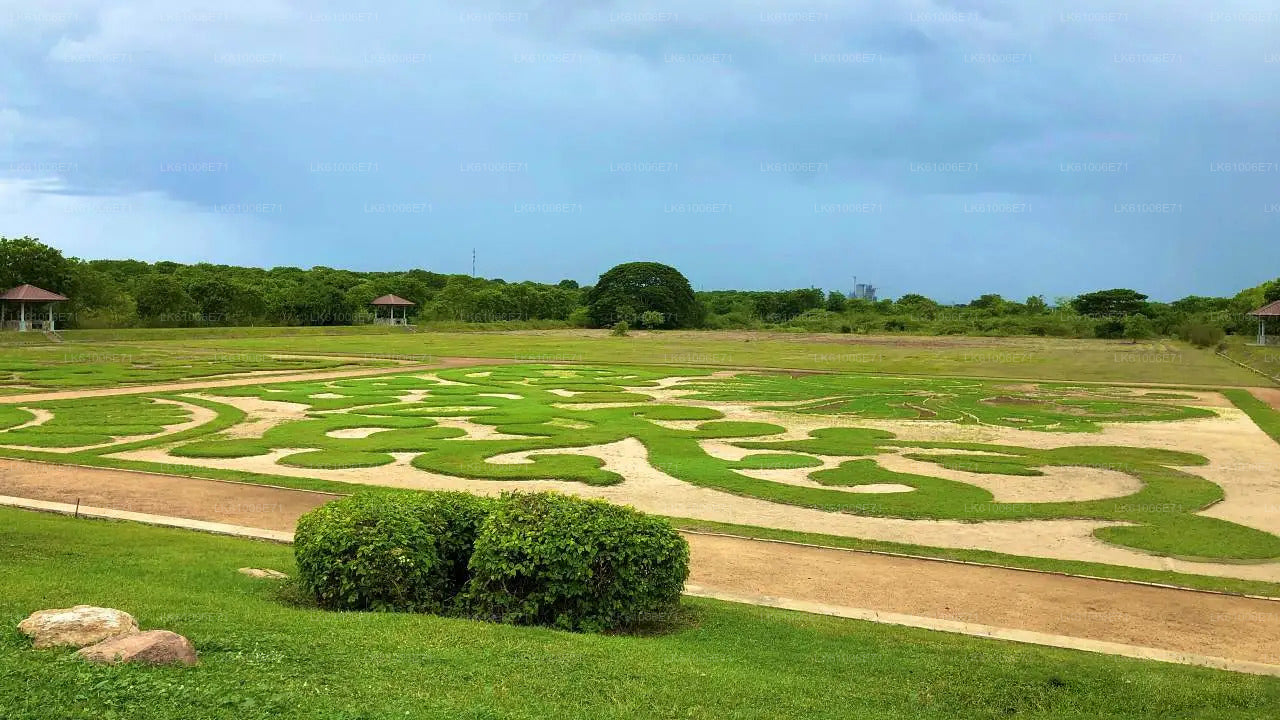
[(1160, 361), (1263, 415), (264, 658)]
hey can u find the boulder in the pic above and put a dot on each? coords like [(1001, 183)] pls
[(155, 647), (77, 626), (263, 573)]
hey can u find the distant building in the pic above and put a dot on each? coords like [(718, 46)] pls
[(863, 291)]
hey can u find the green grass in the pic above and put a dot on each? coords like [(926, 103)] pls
[(530, 403), (1263, 415), (71, 366), (263, 657), (1161, 361)]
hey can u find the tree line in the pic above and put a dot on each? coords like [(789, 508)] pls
[(132, 293)]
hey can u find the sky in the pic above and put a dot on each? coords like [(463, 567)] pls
[(949, 149)]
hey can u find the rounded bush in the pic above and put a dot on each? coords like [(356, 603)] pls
[(586, 565), (396, 551)]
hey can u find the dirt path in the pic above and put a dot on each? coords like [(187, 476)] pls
[(272, 377), (1184, 621), (1271, 396)]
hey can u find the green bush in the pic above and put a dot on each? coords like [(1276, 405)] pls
[(586, 565), (620, 329), (396, 551), (1201, 334)]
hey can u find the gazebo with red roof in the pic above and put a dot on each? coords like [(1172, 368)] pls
[(25, 295), (391, 302), (1262, 313)]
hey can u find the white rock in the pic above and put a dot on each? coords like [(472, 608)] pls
[(77, 626)]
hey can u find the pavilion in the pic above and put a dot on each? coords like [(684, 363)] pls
[(391, 302), (25, 295), (1262, 313)]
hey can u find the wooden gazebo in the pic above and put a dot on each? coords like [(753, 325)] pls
[(25, 295), (1262, 313), (391, 302)]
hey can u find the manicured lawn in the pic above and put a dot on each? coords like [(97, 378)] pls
[(262, 657), (1160, 361), (548, 408), (71, 366)]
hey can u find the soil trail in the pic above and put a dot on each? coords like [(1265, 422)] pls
[(1223, 626)]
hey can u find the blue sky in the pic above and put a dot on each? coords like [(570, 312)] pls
[(949, 149)]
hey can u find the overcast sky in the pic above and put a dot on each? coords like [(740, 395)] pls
[(1016, 147)]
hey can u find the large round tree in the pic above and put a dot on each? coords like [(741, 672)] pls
[(632, 289)]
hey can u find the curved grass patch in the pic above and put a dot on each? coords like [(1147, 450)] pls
[(336, 459), (776, 461)]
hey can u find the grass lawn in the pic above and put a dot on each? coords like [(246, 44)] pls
[(1160, 361), (542, 409), (262, 657), (1264, 359), (70, 366)]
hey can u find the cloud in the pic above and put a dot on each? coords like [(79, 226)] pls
[(471, 111)]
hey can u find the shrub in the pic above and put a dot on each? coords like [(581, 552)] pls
[(620, 329), (586, 565), (1108, 329), (395, 551), (651, 319), (1138, 327), (1201, 334)]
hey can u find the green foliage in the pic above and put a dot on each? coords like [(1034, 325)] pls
[(643, 287), (1113, 304), (1271, 291), (620, 329), (574, 564), (651, 319), (27, 260), (1201, 334), (1139, 327), (393, 551)]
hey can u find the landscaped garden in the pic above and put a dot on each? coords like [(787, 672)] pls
[(838, 445), (265, 652)]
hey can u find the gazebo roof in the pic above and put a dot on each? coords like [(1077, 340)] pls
[(31, 293), (1272, 310), (392, 300)]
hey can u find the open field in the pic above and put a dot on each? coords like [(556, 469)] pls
[(1133, 477), (33, 368), (1164, 361), (262, 656)]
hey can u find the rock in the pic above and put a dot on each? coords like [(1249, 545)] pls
[(155, 647), (263, 573), (77, 626)]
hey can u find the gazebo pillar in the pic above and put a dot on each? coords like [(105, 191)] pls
[(50, 325), (22, 317)]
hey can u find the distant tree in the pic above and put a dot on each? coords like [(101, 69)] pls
[(991, 303), (567, 284), (644, 286), (1036, 305), (916, 305), (27, 260), (1139, 327), (1116, 303), (836, 301), (162, 298), (1271, 291)]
